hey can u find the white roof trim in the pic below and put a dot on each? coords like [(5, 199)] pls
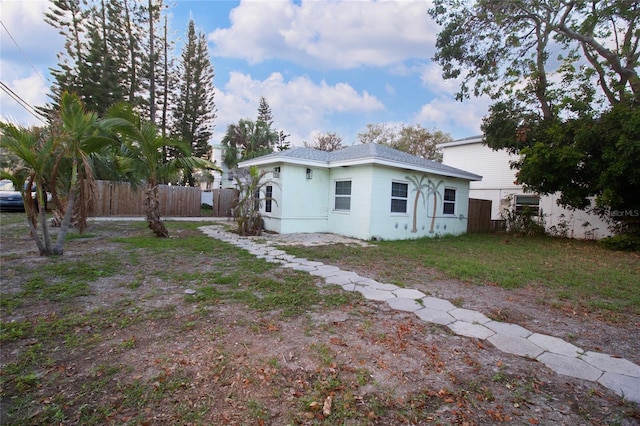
[(466, 141)]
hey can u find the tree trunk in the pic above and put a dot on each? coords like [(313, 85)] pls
[(152, 207), (58, 249)]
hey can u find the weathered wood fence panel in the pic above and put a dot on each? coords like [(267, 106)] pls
[(119, 199), (223, 201), (479, 216)]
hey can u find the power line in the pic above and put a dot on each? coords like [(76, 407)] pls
[(23, 53), (24, 104)]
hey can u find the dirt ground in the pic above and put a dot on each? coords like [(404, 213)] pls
[(355, 363)]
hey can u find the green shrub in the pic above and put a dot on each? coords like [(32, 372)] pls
[(622, 242)]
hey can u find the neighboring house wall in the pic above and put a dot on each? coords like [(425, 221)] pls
[(498, 185)]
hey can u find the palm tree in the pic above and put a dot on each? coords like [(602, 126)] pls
[(247, 212), (433, 189), (143, 146), (81, 135), (58, 159), (34, 151), (418, 186)]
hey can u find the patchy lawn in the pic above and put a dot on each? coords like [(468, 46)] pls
[(106, 334)]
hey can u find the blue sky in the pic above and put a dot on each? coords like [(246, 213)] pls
[(322, 65)]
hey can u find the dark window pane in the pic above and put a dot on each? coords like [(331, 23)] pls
[(343, 187), (399, 189), (449, 194), (343, 203), (398, 206)]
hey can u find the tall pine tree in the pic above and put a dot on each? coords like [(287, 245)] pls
[(194, 107)]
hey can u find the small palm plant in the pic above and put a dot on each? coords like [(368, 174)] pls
[(250, 199)]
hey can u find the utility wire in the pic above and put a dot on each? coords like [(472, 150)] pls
[(23, 53), (24, 104)]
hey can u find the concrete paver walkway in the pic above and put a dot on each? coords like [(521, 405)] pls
[(619, 375)]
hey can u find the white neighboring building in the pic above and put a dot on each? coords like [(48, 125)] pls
[(498, 185)]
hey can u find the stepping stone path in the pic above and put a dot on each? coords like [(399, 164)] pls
[(618, 374)]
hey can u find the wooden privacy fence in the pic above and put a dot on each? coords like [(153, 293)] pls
[(119, 199), (479, 216), (224, 200)]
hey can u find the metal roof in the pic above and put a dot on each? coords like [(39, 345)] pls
[(360, 154)]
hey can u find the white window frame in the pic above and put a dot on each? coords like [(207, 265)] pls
[(337, 196), (446, 202), (400, 198), (519, 206), (268, 201)]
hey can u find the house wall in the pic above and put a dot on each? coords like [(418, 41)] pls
[(356, 221), (399, 226), (498, 184), (308, 205), (300, 204)]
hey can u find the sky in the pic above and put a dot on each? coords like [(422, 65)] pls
[(323, 66)]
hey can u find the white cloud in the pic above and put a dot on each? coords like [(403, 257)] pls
[(32, 91), (299, 106), (339, 34), (446, 113), (26, 38)]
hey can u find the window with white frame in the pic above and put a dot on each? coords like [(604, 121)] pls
[(343, 195), (276, 172), (449, 201), (268, 194), (527, 204), (399, 195)]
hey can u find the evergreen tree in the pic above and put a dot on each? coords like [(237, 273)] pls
[(264, 112), (69, 18), (283, 144), (194, 110)]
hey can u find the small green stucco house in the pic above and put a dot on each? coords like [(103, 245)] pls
[(365, 191)]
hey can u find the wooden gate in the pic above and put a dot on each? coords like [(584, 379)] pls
[(479, 216)]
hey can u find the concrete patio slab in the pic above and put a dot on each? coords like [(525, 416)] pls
[(570, 366)]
